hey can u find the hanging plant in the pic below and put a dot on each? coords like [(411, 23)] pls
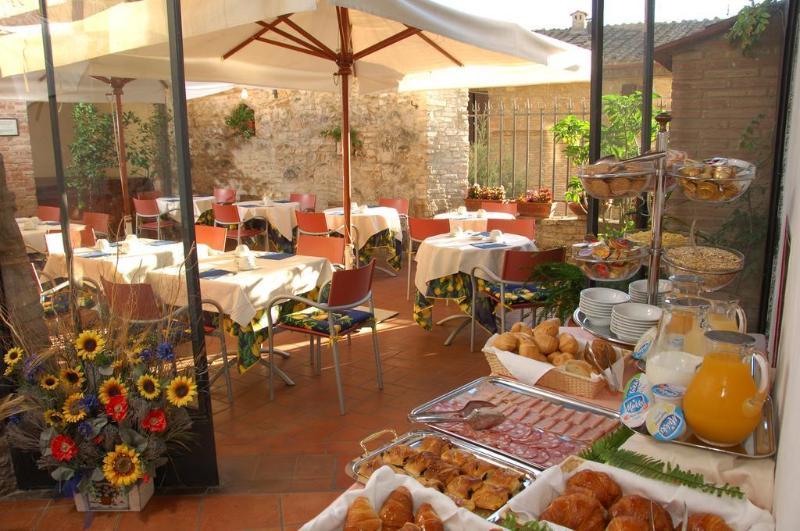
[(336, 133), (242, 120)]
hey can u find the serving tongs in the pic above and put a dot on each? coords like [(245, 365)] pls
[(478, 414)]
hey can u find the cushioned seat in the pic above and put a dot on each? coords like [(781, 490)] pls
[(316, 320), (516, 294)]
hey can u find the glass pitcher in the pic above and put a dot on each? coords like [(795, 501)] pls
[(726, 314), (686, 285), (680, 343), (723, 402)]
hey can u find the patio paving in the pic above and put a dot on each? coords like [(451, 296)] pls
[(281, 462)]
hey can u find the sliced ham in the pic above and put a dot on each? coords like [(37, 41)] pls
[(539, 406), (609, 424), (576, 431), (545, 423), (560, 427), (551, 410), (519, 414), (563, 414), (594, 420), (532, 418)]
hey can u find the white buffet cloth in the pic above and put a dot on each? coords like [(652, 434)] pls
[(117, 266), (34, 237), (368, 222), (279, 215), (242, 294), (171, 205), (440, 256), (471, 220)]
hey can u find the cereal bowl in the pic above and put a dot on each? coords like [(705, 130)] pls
[(717, 266)]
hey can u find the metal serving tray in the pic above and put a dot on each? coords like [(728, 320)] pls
[(414, 438), (514, 386), (603, 332)]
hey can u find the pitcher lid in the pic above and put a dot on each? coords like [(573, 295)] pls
[(733, 338)]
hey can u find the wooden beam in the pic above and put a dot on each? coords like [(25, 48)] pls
[(299, 41), (292, 24), (252, 38), (439, 49), (292, 47), (388, 41)]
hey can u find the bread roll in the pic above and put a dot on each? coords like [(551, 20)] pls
[(521, 328), (397, 509), (576, 511), (604, 488), (560, 359), (508, 341), (567, 343), (549, 327), (530, 350), (579, 367), (604, 353), (642, 508), (547, 344), (628, 523)]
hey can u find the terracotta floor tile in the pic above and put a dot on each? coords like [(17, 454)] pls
[(300, 507), (271, 467), (61, 515), (20, 520), (314, 467), (164, 512), (230, 513)]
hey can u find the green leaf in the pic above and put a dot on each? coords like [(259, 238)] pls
[(97, 474), (62, 473), (44, 438), (132, 438), (98, 424)]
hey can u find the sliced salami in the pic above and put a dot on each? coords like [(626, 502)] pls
[(520, 432)]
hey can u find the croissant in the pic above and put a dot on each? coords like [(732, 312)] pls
[(442, 471), (361, 516), (549, 327), (628, 523), (490, 497), (456, 456), (641, 507), (397, 509), (398, 455), (427, 519), (417, 464), (462, 502), (477, 468), (368, 467), (567, 343), (707, 522), (432, 483), (408, 526), (602, 486), (576, 511)]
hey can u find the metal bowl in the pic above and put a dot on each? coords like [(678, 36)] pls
[(611, 269), (712, 280)]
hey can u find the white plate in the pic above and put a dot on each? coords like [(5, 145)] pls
[(605, 296), (633, 311), (640, 286)]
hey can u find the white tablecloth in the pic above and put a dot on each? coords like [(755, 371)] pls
[(171, 205), (119, 267), (242, 294), (368, 223), (34, 238), (470, 220), (280, 215), (440, 256)]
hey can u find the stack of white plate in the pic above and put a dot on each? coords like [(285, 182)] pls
[(631, 320), (638, 290), (597, 303)]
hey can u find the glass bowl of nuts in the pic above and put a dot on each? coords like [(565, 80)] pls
[(609, 260), (611, 180), (717, 266), (717, 180)]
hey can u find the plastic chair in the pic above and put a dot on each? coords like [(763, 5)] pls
[(401, 205), (307, 202), (137, 305), (225, 196), (524, 227), (515, 288), (228, 216), (312, 223), (55, 243), (336, 318), (322, 247), (147, 209), (48, 213), (214, 237), (151, 194), (87, 236), (418, 230), (507, 207), (99, 221)]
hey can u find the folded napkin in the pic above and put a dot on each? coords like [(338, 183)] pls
[(161, 242), (94, 254), (274, 256), (489, 245), (337, 212), (484, 233), (214, 273)]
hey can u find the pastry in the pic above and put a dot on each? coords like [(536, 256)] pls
[(408, 526), (627, 523), (549, 327), (503, 477), (490, 497), (442, 471), (432, 483), (546, 343), (368, 467), (477, 468), (604, 353), (707, 522), (398, 455), (641, 507), (560, 359), (520, 327), (576, 511), (529, 349), (427, 519), (456, 456), (434, 444), (578, 367), (462, 487), (462, 502), (361, 516), (417, 464), (397, 509), (508, 342), (567, 343), (604, 488)]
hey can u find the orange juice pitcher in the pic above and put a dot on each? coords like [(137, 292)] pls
[(723, 402)]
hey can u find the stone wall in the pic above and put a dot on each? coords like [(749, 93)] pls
[(415, 146), (560, 231), (18, 158)]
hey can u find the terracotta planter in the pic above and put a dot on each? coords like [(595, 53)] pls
[(534, 210), (251, 126), (475, 204), (577, 209), (104, 497)]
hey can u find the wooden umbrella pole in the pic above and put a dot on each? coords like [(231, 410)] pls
[(345, 79), (117, 84)]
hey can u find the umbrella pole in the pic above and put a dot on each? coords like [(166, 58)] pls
[(117, 84), (344, 73)]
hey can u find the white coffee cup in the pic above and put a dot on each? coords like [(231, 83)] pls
[(481, 213), (241, 250), (462, 210), (246, 262), (496, 235), (102, 245)]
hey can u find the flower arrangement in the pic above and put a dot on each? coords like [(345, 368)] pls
[(242, 120), (542, 195), (492, 193)]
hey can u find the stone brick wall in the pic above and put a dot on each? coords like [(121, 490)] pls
[(415, 146), (560, 231), (17, 154)]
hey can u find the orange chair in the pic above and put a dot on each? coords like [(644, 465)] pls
[(401, 205), (147, 209), (418, 230), (48, 213), (228, 216), (322, 247), (151, 194), (507, 207), (225, 195), (307, 202), (515, 288), (524, 227), (99, 221), (55, 243), (312, 223), (88, 237), (214, 237)]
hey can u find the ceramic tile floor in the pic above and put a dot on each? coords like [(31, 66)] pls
[(281, 462)]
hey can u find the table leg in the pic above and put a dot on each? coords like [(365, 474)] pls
[(466, 319), (278, 372)]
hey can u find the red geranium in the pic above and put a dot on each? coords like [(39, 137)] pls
[(63, 448), (117, 407), (155, 421)]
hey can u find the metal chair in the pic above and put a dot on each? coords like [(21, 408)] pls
[(333, 319), (214, 237), (515, 288), (225, 196), (147, 209), (307, 202), (55, 243), (524, 226), (312, 224), (151, 194), (418, 230), (88, 237), (401, 205), (322, 247), (507, 207), (48, 213), (227, 215), (99, 221)]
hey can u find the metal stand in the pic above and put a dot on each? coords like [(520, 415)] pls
[(662, 142), (466, 320)]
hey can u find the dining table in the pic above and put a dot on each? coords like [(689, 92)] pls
[(171, 205), (471, 220), (33, 232), (376, 227), (280, 216)]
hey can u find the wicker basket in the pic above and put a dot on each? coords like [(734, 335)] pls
[(571, 384)]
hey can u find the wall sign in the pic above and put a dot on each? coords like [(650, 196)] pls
[(9, 127)]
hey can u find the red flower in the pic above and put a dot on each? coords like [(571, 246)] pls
[(63, 448), (97, 440), (117, 407), (155, 421)]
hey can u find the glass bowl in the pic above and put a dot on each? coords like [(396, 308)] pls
[(717, 266), (616, 185), (714, 180), (608, 269)]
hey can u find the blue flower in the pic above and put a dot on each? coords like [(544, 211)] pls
[(15, 419), (146, 354), (32, 372), (85, 429), (165, 352), (89, 402)]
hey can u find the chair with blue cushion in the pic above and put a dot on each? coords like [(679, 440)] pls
[(515, 289), (334, 319)]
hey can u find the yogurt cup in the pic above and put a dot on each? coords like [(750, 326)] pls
[(668, 394), (666, 422)]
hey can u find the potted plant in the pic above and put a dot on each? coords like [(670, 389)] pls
[(535, 203), (242, 120), (356, 144), (575, 196), (478, 194)]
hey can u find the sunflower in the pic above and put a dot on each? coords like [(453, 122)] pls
[(110, 388), (72, 377), (48, 382), (133, 357), (73, 409), (181, 391), (12, 356), (148, 387), (122, 466), (88, 344), (53, 417)]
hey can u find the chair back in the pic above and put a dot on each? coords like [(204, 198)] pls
[(55, 244), (35, 277), (131, 301), (99, 221), (225, 195), (399, 204), (422, 228), (322, 247), (507, 207), (518, 266), (87, 236), (146, 207), (226, 213), (48, 213), (524, 227), (307, 202), (214, 237), (348, 286), (150, 194), (314, 222)]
